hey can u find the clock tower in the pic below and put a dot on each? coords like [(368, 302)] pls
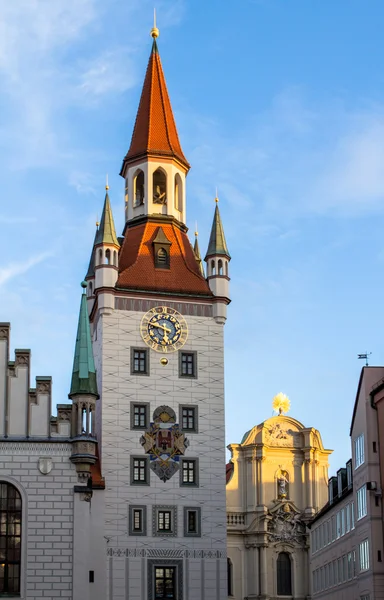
[(157, 334)]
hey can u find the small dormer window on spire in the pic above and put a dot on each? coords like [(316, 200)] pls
[(161, 248)]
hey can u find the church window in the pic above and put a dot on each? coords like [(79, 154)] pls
[(284, 575), (139, 415), (188, 418), (138, 188), (162, 259), (192, 521), (139, 471), (178, 193), (229, 577), (139, 361), (164, 521), (189, 472), (187, 364), (137, 520), (165, 583), (159, 187), (10, 539)]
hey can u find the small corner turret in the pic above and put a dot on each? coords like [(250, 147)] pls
[(217, 259), (83, 394)]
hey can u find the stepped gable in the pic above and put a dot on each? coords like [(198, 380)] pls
[(137, 262)]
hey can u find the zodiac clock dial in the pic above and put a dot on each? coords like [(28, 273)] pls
[(164, 329)]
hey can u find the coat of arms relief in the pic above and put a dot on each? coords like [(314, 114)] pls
[(164, 442)]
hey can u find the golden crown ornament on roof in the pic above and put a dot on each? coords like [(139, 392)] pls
[(281, 403)]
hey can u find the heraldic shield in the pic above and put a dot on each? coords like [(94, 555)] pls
[(164, 442)]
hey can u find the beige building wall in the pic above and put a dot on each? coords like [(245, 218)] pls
[(277, 481), (347, 562)]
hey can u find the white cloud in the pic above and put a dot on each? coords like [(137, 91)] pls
[(112, 72), (19, 268)]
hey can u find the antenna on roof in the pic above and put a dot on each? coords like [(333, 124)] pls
[(364, 357)]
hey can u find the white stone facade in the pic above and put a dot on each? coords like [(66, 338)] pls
[(201, 561)]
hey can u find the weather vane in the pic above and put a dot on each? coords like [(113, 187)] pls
[(281, 403), (364, 357)]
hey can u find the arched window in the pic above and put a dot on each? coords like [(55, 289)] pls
[(226, 268), (213, 267), (100, 257), (108, 256), (115, 258), (230, 577), (162, 258), (10, 539), (138, 188), (220, 267), (178, 193), (284, 576), (159, 187)]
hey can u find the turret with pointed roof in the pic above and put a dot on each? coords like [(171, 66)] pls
[(106, 248), (217, 259), (155, 166), (196, 250)]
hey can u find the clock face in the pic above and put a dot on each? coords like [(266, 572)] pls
[(164, 329)]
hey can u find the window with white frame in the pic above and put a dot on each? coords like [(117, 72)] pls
[(348, 518), (361, 497), (364, 555), (338, 524), (352, 515), (359, 450), (342, 521)]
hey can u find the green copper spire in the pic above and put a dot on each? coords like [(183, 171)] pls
[(217, 244), (84, 372), (106, 233), (196, 250)]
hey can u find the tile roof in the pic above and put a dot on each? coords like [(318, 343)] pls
[(217, 243), (155, 132), (137, 262)]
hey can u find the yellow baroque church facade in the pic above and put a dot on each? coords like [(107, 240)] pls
[(277, 479)]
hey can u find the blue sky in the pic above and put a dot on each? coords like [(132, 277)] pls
[(280, 104)]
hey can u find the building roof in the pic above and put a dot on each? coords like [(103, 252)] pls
[(155, 132), (217, 244), (137, 261), (106, 234), (83, 372), (91, 266)]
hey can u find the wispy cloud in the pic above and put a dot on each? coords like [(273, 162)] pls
[(14, 269)]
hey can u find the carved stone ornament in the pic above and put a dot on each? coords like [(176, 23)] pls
[(22, 360), (278, 434), (285, 525), (43, 387), (45, 464), (4, 333)]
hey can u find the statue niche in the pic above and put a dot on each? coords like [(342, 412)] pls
[(282, 485), (159, 187)]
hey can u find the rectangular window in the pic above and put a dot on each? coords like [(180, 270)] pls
[(348, 518), (139, 415), (189, 472), (164, 521), (338, 524), (354, 562), (330, 574), (192, 521), (139, 471), (352, 515), (139, 361), (349, 574), (364, 555), (340, 570), (345, 568), (187, 364), (359, 450), (333, 527), (165, 582), (137, 520), (349, 474), (189, 418), (361, 497), (342, 521)]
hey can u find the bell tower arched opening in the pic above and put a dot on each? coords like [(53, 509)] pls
[(138, 188), (178, 193), (159, 186)]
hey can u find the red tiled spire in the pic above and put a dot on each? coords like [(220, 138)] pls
[(155, 132)]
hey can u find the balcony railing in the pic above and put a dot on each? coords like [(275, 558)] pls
[(235, 519)]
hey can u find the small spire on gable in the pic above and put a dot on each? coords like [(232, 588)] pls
[(217, 244), (83, 372), (196, 250), (91, 266), (106, 233)]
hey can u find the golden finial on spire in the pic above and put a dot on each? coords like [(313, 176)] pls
[(97, 222), (106, 184), (154, 31), (196, 232), (216, 197)]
